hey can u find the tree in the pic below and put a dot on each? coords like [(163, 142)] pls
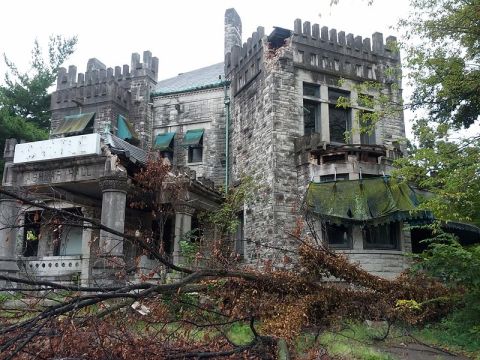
[(444, 67), (443, 61), (191, 315), (25, 94), (24, 98)]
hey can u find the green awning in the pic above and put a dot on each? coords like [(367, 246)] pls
[(376, 200), (193, 137), (75, 124), (163, 141), (125, 130)]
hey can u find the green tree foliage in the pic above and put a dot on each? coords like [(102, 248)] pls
[(445, 63), (24, 97), (25, 94)]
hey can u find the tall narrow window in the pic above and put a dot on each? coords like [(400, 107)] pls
[(311, 108), (310, 115), (339, 117), (366, 118), (194, 140)]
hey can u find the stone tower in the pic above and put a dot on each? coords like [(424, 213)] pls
[(109, 93)]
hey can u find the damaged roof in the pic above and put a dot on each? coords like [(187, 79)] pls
[(132, 152), (376, 200), (205, 78)]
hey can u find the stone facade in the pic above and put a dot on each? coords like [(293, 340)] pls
[(268, 112), (201, 109)]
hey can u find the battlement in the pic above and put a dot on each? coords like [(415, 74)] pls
[(97, 73), (304, 32), (241, 55)]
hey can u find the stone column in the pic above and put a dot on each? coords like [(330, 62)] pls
[(87, 239), (9, 222), (183, 224), (114, 198), (324, 116)]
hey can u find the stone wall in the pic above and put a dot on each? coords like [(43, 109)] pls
[(203, 109), (265, 120)]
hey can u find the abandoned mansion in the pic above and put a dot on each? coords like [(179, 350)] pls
[(294, 110)]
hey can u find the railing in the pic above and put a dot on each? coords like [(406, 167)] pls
[(52, 265), (325, 152)]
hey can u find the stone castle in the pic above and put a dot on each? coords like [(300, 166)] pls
[(269, 111)]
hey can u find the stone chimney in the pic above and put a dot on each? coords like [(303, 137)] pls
[(233, 30)]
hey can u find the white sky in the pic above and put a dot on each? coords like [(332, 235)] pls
[(183, 34)]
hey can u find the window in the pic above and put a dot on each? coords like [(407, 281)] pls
[(194, 140), (67, 234), (31, 233), (165, 143), (339, 117), (310, 115), (385, 236), (195, 153), (366, 119), (311, 90), (311, 109), (367, 127), (337, 236)]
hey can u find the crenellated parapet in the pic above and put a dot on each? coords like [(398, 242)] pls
[(330, 39), (345, 55), (246, 61)]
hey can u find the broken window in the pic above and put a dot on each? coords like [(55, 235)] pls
[(339, 115), (384, 236), (337, 236)]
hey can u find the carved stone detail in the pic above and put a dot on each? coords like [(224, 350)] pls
[(114, 183)]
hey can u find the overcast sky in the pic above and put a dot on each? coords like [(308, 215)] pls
[(183, 34)]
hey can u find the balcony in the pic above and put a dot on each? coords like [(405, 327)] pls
[(311, 149)]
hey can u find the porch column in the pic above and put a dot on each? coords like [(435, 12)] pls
[(114, 198), (86, 246), (9, 222), (183, 224)]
